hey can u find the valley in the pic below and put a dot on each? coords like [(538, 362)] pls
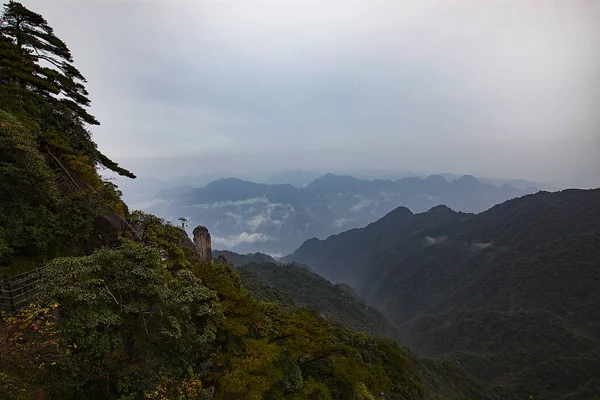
[(510, 293), (275, 219)]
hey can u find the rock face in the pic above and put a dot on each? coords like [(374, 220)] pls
[(185, 241), (107, 229), (202, 243)]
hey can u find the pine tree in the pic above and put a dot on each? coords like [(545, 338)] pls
[(48, 60), (17, 69), (37, 77), (51, 189)]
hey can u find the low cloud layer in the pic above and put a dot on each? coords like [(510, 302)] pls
[(435, 240), (223, 204), (244, 237)]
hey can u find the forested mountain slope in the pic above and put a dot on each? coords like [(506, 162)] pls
[(512, 293), (336, 302), (345, 257), (241, 259), (294, 285)]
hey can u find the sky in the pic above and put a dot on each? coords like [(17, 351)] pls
[(494, 88)]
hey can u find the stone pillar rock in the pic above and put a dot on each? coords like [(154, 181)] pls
[(202, 243)]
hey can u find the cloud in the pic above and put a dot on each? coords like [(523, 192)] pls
[(256, 221), (435, 240), (222, 204), (362, 204), (244, 237), (341, 222)]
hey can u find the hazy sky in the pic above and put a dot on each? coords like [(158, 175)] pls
[(505, 88)]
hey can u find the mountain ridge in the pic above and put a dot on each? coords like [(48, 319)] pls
[(249, 217), (381, 234), (507, 293)]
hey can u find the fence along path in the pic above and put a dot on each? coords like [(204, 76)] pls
[(17, 291)]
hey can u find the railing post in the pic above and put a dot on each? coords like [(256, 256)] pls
[(11, 299), (23, 285), (2, 291)]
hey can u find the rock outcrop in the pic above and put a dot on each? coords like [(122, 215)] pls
[(185, 241), (202, 243), (223, 261), (106, 232)]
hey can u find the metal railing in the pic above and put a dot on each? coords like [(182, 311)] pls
[(17, 291)]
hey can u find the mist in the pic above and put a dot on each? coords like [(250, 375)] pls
[(501, 89)]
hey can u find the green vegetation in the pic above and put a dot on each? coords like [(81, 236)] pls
[(511, 294), (291, 284), (242, 259), (263, 352), (506, 310), (125, 322), (346, 257), (129, 324), (51, 191)]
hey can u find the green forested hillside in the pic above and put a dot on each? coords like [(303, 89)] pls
[(512, 293), (508, 293), (293, 285), (241, 259), (274, 282), (344, 257)]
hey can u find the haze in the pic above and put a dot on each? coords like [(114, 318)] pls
[(506, 89)]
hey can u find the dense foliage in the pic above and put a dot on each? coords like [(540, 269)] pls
[(242, 259), (285, 283), (128, 325), (51, 191), (345, 257), (511, 293), (263, 352), (127, 322)]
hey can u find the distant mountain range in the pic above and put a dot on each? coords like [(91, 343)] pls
[(511, 294), (275, 219)]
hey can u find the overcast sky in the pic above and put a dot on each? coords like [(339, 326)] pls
[(505, 88)]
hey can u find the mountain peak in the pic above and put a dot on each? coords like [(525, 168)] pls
[(441, 209), (436, 179), (468, 181), (400, 211), (331, 183), (226, 182)]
